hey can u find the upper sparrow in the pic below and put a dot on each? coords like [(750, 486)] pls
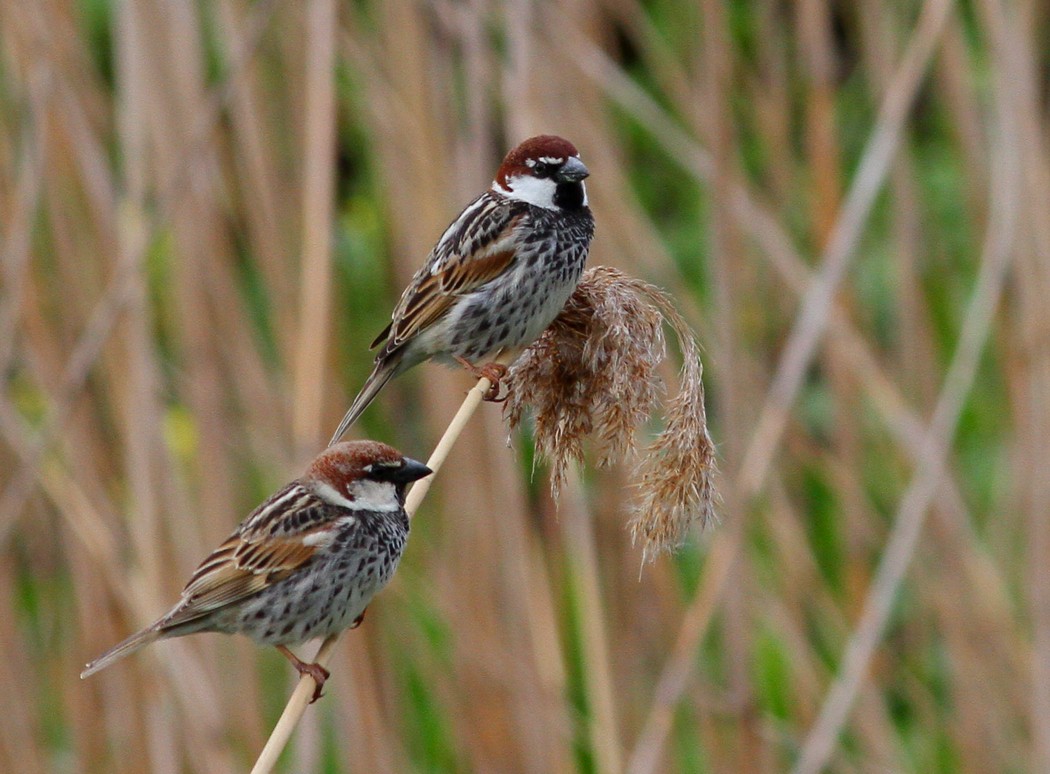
[(305, 563), (499, 274)]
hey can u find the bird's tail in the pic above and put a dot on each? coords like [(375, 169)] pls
[(126, 648), (381, 374)]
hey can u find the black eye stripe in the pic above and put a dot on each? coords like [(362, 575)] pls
[(379, 467)]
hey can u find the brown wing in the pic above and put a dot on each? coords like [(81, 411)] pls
[(475, 249), (436, 293), (265, 549)]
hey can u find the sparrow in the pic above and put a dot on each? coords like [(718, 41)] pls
[(304, 564), (499, 274)]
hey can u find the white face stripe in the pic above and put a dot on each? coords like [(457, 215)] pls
[(545, 160), (333, 496), (526, 188)]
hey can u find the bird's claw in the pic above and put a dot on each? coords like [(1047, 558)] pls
[(319, 675), (317, 672), (494, 372)]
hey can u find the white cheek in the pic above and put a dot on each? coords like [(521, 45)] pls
[(530, 189), (374, 495)]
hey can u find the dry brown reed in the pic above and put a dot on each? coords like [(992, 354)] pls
[(594, 375)]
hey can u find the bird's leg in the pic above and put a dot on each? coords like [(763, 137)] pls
[(316, 671), (494, 372)]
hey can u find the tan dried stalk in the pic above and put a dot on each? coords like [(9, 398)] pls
[(594, 374)]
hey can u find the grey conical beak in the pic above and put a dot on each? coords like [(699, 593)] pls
[(572, 171), (411, 470)]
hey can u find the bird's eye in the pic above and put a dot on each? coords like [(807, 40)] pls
[(542, 169)]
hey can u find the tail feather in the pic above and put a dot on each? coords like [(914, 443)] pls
[(126, 648), (381, 374)]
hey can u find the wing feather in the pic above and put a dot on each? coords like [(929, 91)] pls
[(474, 250), (265, 549), (437, 293)]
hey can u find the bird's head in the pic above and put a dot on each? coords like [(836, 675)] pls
[(545, 171), (365, 475)]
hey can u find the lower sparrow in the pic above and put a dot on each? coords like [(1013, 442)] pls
[(305, 563)]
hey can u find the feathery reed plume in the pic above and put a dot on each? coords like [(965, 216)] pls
[(594, 374)]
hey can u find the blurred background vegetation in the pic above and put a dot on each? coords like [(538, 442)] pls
[(207, 210)]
